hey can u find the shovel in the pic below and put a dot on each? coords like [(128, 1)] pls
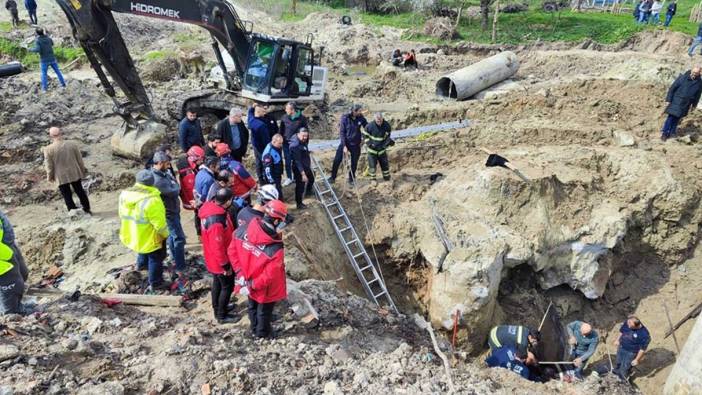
[(495, 160)]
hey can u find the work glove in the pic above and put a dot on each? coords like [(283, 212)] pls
[(634, 363), (244, 291), (241, 281), (240, 202)]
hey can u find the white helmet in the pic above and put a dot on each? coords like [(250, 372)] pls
[(267, 193)]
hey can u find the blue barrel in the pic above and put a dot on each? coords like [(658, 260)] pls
[(9, 69)]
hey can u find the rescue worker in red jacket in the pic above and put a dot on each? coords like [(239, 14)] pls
[(257, 250), (244, 185), (217, 228), (186, 174)]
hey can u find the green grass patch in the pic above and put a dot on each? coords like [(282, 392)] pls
[(520, 28), (5, 27), (152, 56), (565, 26), (15, 51)]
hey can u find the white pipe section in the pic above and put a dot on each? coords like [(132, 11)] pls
[(470, 80), (686, 376)]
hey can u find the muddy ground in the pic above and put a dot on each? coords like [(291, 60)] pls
[(584, 100)]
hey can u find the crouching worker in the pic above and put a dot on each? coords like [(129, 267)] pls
[(583, 342), (258, 251), (217, 228), (518, 337), (13, 271), (509, 357)]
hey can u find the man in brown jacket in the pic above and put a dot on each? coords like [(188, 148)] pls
[(64, 166)]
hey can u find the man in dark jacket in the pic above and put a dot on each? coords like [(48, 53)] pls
[(262, 128), (212, 141), (272, 158), (350, 135), (302, 166), (672, 9), (166, 183), (11, 6), (377, 136), (217, 229), (233, 132), (31, 6), (682, 97), (292, 122), (190, 131), (44, 46)]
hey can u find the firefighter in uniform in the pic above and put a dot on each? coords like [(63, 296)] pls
[(377, 134), (519, 337)]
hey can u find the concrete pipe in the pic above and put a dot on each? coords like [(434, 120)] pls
[(470, 80), (686, 376), (10, 69)]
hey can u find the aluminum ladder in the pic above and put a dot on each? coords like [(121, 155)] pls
[(361, 263)]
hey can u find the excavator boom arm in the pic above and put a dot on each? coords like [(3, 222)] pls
[(98, 33)]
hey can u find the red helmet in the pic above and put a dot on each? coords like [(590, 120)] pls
[(277, 209), (196, 153), (222, 149)]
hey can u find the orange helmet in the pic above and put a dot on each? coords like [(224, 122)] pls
[(222, 149), (196, 153), (277, 209)]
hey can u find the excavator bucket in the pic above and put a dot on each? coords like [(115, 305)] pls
[(138, 142)]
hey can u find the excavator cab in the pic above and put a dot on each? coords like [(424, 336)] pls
[(277, 70)]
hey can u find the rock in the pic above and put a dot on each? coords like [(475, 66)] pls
[(107, 388), (686, 139), (624, 139), (8, 351), (332, 388), (69, 344), (498, 221), (32, 361)]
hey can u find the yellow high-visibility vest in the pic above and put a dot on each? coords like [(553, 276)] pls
[(143, 218), (6, 253)]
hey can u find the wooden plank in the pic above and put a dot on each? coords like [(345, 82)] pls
[(692, 314), (129, 299), (145, 300)]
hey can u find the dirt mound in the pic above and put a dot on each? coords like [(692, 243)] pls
[(441, 28), (661, 42), (160, 70)]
